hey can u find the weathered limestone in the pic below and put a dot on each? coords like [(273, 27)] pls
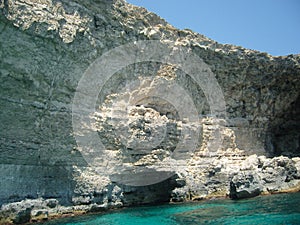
[(244, 185), (46, 47)]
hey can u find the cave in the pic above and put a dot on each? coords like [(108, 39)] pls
[(284, 132)]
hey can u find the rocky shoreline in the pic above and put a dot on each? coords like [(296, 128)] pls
[(257, 176), (40, 214), (230, 130)]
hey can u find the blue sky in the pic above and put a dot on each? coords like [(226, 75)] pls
[(271, 26)]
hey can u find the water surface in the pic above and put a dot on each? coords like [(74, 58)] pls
[(274, 209)]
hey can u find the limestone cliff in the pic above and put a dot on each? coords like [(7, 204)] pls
[(156, 118)]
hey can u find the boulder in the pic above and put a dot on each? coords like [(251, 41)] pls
[(244, 185)]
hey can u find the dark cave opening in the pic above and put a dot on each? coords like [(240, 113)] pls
[(284, 132)]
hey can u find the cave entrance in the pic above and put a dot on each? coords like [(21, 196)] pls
[(284, 132)]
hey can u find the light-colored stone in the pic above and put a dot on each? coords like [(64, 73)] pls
[(47, 46), (244, 185)]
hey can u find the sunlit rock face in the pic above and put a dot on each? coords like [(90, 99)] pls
[(161, 139)]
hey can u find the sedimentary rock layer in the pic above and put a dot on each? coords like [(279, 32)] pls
[(47, 47)]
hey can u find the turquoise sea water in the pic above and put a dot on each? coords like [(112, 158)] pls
[(274, 209)]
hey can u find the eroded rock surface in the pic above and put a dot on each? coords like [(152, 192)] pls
[(244, 185), (46, 48)]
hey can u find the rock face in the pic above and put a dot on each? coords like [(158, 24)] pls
[(244, 185), (163, 136), (266, 175)]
